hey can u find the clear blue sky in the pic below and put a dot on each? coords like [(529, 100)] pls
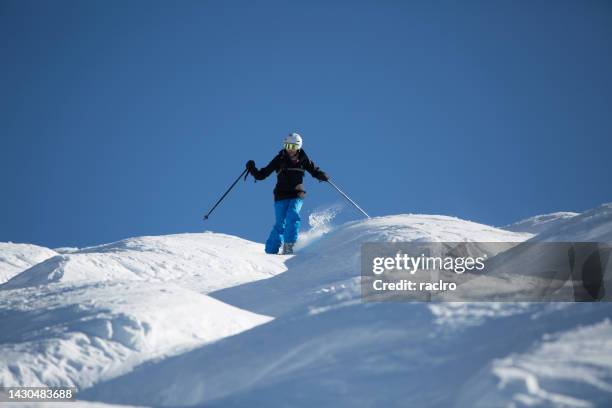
[(125, 118)]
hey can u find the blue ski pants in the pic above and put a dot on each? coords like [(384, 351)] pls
[(286, 225)]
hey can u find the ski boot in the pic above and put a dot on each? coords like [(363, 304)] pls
[(288, 248)]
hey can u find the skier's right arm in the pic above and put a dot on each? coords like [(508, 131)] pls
[(263, 172)]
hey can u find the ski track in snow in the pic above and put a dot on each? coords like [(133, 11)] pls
[(209, 320)]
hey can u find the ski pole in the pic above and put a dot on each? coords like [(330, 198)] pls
[(347, 197), (224, 194)]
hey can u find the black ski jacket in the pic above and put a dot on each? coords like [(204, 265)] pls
[(290, 174)]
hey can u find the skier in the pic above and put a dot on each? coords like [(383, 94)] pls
[(289, 164)]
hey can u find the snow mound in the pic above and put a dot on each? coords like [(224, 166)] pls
[(590, 226), (540, 223), (571, 369), (339, 250), (362, 355), (327, 271), (66, 250), (549, 277), (205, 262), (121, 322), (335, 348), (76, 335), (15, 258)]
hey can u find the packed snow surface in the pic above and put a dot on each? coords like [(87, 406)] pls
[(15, 258), (594, 225), (209, 320), (540, 223), (77, 318), (204, 262), (78, 334)]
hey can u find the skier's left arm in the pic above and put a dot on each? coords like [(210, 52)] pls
[(314, 171)]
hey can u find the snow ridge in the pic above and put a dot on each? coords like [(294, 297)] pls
[(209, 319), (14, 258), (540, 223)]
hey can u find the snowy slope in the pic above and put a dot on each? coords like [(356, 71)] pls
[(540, 223), (384, 354), (78, 334), (538, 377), (324, 347), (328, 270), (203, 262), (594, 225), (15, 258), (318, 294), (97, 312)]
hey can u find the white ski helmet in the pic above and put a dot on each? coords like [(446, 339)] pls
[(293, 138)]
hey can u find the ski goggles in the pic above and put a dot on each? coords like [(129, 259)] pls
[(292, 146)]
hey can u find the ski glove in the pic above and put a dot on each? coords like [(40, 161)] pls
[(323, 176), (250, 166)]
